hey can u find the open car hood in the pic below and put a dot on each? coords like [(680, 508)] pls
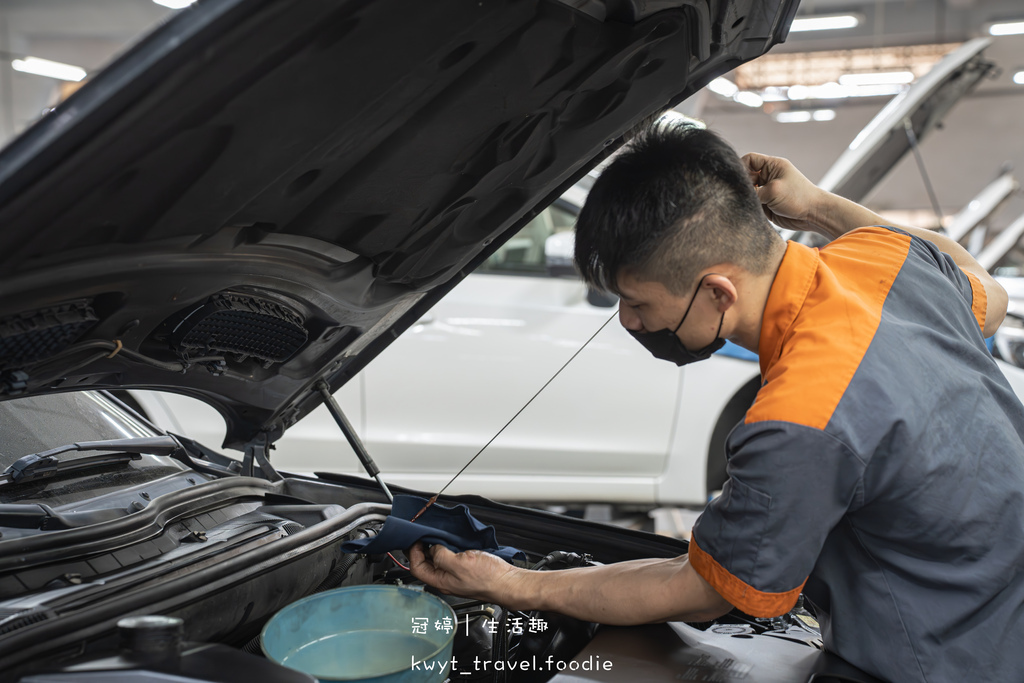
[(885, 140), (262, 195)]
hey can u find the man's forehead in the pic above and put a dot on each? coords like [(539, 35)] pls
[(626, 285)]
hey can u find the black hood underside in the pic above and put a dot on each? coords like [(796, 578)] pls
[(262, 195)]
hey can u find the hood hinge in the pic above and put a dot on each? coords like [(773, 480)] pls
[(256, 455)]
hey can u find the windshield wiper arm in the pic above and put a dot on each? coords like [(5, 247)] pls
[(46, 463)]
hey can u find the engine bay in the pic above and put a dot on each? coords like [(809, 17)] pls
[(230, 552)]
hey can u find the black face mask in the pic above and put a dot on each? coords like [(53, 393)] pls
[(665, 345)]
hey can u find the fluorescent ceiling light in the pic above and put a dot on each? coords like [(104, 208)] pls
[(830, 23), (877, 90), (751, 99), (1006, 28), (723, 87), (793, 116), (835, 91), (878, 78), (830, 91), (174, 4), (44, 67), (805, 115), (1018, 78), (798, 92)]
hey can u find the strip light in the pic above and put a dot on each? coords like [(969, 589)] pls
[(175, 4), (835, 91), (805, 115), (830, 23), (723, 87), (793, 116), (1007, 28), (878, 78), (751, 99), (44, 67)]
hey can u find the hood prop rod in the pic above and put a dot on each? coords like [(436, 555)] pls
[(353, 439)]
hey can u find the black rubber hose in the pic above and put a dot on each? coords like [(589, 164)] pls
[(338, 574), (253, 647), (563, 557)]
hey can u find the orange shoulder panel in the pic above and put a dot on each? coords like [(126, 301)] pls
[(820, 346), (739, 594)]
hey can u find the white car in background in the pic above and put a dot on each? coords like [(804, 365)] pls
[(616, 426)]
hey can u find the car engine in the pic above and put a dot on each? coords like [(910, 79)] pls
[(223, 554)]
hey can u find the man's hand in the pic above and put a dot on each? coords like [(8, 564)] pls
[(789, 199), (472, 573)]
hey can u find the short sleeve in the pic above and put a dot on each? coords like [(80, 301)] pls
[(979, 302), (967, 284), (789, 485)]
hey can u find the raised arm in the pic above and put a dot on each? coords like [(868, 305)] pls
[(792, 201), (634, 592)]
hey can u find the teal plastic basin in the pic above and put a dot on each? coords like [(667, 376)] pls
[(364, 633)]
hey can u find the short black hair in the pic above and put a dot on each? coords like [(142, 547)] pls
[(676, 200)]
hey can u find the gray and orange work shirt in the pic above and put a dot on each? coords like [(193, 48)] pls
[(881, 467)]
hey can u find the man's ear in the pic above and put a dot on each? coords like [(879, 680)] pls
[(722, 291)]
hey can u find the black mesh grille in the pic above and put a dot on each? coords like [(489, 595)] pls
[(35, 335), (243, 326)]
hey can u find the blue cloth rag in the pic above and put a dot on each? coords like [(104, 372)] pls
[(453, 527)]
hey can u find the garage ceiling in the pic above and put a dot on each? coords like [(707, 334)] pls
[(981, 134)]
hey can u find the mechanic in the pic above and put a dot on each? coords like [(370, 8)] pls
[(881, 467)]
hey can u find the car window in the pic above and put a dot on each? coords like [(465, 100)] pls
[(524, 253), (38, 423)]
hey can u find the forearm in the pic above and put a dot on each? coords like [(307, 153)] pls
[(836, 216), (635, 592)]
